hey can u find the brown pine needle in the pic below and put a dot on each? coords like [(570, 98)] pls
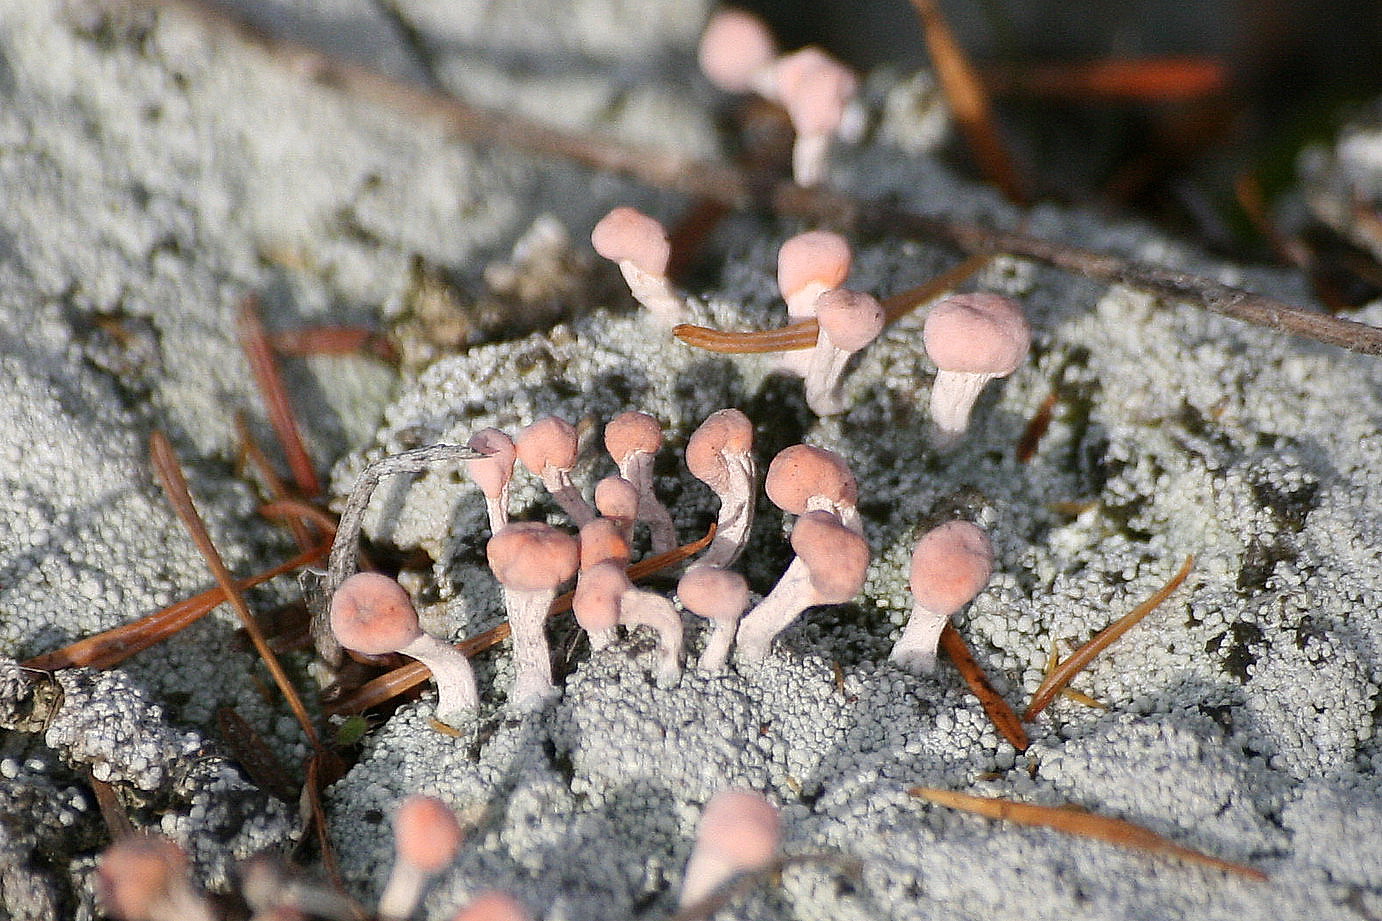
[(170, 474), (1076, 821), (1061, 676), (1036, 428), (254, 454), (1175, 78), (969, 101), (334, 340), (301, 510), (406, 677), (1002, 716), (111, 647), (255, 343), (803, 335)]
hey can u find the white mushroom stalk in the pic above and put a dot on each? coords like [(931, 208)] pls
[(372, 614), (639, 245), (829, 568), (739, 832), (426, 839), (950, 565), (531, 559), (548, 448), (972, 338), (720, 455), (849, 320), (633, 440)]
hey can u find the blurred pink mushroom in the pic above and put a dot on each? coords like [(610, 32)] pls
[(493, 472), (802, 478), (639, 245), (950, 565), (849, 320), (720, 455), (145, 878), (829, 568), (736, 53), (633, 439), (492, 906), (972, 338), (531, 559), (426, 840), (739, 832), (816, 90), (720, 596), (548, 448), (605, 597), (372, 614)]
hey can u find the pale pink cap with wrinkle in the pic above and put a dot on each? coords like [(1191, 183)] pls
[(977, 334), (628, 235)]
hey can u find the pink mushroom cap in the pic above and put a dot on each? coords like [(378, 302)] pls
[(950, 565), (532, 556), (801, 471), (725, 431), (426, 833), (137, 872), (817, 255), (548, 441), (628, 235), (632, 432), (815, 88), (616, 497), (602, 540), (714, 593), (742, 826), (851, 319), (735, 46), (372, 614), (977, 334), (837, 558), (492, 472), (598, 592)]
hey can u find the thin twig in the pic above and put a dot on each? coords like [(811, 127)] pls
[(1078, 822), (255, 344), (170, 474), (1062, 674), (1003, 717), (735, 189)]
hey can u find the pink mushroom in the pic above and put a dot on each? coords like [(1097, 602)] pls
[(950, 565), (739, 832), (720, 596), (426, 839), (531, 559), (808, 265), (617, 499), (803, 478), (548, 448), (492, 906), (605, 597), (829, 568), (596, 609), (816, 90), (720, 455), (849, 320), (736, 53), (372, 614), (639, 245), (493, 472), (633, 439), (602, 540), (145, 878), (972, 338)]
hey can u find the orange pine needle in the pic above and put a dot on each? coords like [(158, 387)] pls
[(1076, 821), (1061, 676), (255, 343), (406, 677), (333, 340), (301, 510), (1181, 78), (1002, 716), (1036, 428), (111, 647), (253, 452)]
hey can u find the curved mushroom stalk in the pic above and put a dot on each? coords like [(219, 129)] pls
[(638, 608), (950, 565)]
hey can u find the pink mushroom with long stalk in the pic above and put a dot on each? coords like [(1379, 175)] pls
[(549, 448), (372, 614), (146, 878), (830, 565), (808, 265), (427, 838), (737, 53), (633, 439), (639, 245), (720, 455), (849, 320), (804, 478), (739, 832), (721, 597), (605, 598), (493, 472), (950, 565), (972, 338), (531, 560), (817, 91)]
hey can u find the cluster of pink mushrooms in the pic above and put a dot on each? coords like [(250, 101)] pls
[(146, 877)]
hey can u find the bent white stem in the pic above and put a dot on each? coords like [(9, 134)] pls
[(637, 468), (801, 305), (775, 613), (497, 507), (532, 662), (648, 609), (402, 892), (564, 491), (600, 639), (825, 376), (848, 515), (809, 159), (706, 871), (457, 695), (952, 399), (735, 520), (717, 646), (655, 293), (915, 649)]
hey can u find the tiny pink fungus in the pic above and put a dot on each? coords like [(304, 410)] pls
[(601, 540), (605, 597), (633, 439), (972, 338), (372, 614), (145, 878), (493, 472), (426, 840), (829, 568), (950, 565), (802, 478), (817, 90), (548, 448), (720, 596), (808, 265), (617, 499), (736, 53), (849, 320), (493, 906), (720, 455), (639, 245), (531, 559), (739, 832)]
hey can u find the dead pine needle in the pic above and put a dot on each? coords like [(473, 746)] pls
[(259, 352), (1002, 716), (1062, 675), (1076, 821)]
